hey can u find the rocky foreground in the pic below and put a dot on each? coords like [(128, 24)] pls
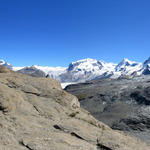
[(36, 114), (123, 104)]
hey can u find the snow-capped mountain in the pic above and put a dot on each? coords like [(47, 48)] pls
[(127, 65), (52, 72), (40, 71), (86, 69), (126, 68), (146, 67), (5, 64)]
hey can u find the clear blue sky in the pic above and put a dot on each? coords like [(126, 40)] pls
[(56, 32)]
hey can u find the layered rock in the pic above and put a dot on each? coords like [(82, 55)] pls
[(36, 114)]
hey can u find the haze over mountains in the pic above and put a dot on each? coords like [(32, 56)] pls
[(86, 69)]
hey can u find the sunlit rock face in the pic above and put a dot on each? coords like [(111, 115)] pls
[(36, 114)]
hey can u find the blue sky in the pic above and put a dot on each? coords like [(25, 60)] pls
[(57, 32)]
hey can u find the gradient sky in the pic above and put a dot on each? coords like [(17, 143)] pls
[(57, 32)]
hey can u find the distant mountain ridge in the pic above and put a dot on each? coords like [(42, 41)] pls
[(5, 64), (86, 69)]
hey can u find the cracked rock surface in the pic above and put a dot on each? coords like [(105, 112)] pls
[(36, 114)]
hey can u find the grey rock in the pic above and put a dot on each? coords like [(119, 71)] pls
[(123, 104), (32, 71)]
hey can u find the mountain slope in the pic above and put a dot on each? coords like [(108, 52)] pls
[(146, 67), (126, 67), (36, 114), (122, 104), (53, 72), (86, 69), (33, 71)]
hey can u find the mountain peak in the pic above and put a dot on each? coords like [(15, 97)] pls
[(126, 60), (88, 64), (90, 60), (2, 62), (147, 61), (5, 64), (126, 65)]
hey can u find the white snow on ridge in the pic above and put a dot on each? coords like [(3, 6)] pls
[(48, 69), (63, 85), (88, 69), (17, 68), (53, 72), (2, 62), (126, 67), (91, 65)]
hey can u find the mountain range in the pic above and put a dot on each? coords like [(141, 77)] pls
[(36, 114), (86, 69)]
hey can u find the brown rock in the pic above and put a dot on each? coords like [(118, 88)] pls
[(36, 114), (4, 69)]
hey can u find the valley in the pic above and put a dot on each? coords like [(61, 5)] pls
[(123, 104)]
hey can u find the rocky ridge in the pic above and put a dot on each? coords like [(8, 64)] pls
[(33, 71), (36, 114)]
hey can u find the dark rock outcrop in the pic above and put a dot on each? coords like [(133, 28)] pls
[(32, 71)]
